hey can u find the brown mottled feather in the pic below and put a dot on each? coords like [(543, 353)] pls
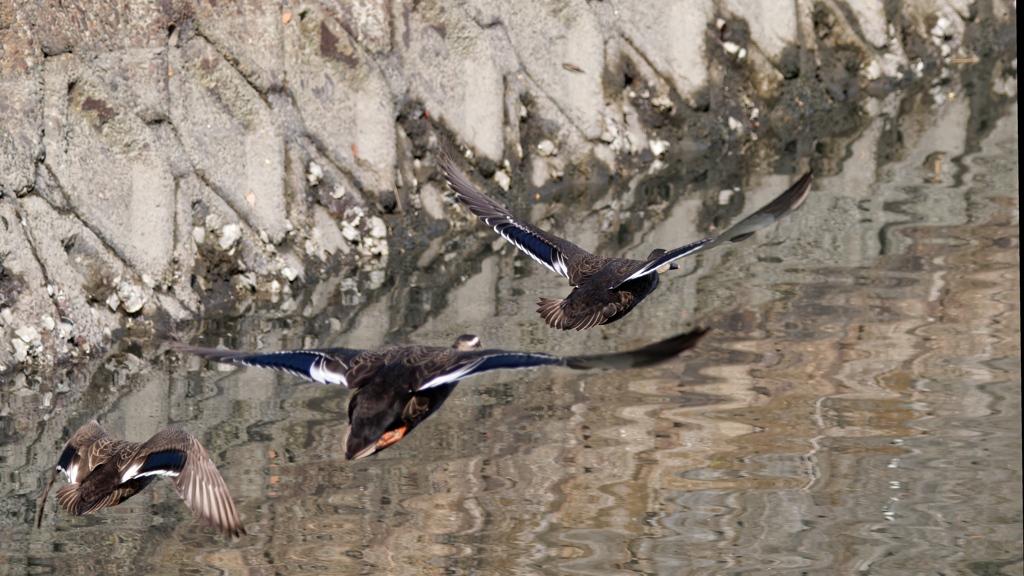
[(398, 388), (605, 289), (97, 463)]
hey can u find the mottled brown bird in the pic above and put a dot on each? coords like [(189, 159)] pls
[(604, 289), (104, 471), (397, 388)]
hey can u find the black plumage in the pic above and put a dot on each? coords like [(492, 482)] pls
[(397, 388), (104, 471), (604, 289)]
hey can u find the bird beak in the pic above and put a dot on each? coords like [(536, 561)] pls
[(673, 266)]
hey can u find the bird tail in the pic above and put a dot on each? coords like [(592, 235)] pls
[(70, 498), (551, 311)]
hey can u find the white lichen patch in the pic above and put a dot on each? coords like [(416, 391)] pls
[(27, 334), (315, 174), (132, 297), (658, 147), (377, 227), (229, 234), (547, 147), (503, 179)]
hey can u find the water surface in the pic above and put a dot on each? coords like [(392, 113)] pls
[(855, 410)]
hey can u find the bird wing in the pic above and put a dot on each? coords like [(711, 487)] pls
[(325, 366), (463, 364), (558, 255), (449, 368), (646, 356), (788, 201), (88, 448), (200, 485)]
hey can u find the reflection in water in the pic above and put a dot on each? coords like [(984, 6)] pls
[(102, 471), (604, 289), (397, 388), (856, 409)]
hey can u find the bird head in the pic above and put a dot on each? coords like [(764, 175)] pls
[(467, 342), (665, 267)]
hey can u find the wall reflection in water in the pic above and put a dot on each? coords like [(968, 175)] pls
[(856, 409)]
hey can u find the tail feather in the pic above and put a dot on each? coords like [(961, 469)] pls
[(70, 499), (551, 311)]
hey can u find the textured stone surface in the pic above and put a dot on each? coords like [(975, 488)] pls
[(21, 98), (230, 135), (107, 166), (671, 36), (160, 158), (450, 68), (342, 97)]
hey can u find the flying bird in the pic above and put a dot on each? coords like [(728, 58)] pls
[(603, 289), (398, 388), (104, 471)]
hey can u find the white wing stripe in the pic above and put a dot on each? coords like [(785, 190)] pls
[(158, 473), (452, 377), (72, 472), (650, 268), (559, 264), (318, 373), (557, 267), (130, 473)]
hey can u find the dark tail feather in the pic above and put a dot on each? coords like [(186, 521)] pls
[(640, 357), (551, 311), (42, 503), (70, 499)]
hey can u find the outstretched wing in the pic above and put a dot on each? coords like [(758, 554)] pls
[(788, 201), (465, 364), (557, 254), (199, 483), (646, 356), (326, 366), (450, 368)]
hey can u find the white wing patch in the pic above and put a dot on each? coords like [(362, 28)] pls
[(696, 247), (159, 473), (319, 373), (558, 266), (72, 472), (454, 376), (639, 274), (130, 473), (559, 263)]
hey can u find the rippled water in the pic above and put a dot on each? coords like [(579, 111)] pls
[(856, 409)]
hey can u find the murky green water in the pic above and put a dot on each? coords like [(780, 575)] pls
[(856, 409)]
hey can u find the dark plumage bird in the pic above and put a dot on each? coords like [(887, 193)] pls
[(104, 471), (397, 388), (604, 289)]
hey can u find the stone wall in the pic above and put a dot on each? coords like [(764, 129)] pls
[(162, 159)]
